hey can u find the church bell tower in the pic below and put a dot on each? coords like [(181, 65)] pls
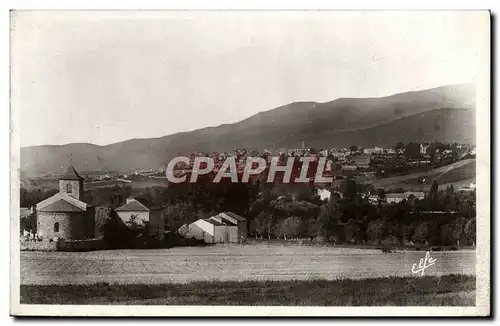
[(71, 183)]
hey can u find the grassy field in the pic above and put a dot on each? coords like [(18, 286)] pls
[(448, 290), (459, 173)]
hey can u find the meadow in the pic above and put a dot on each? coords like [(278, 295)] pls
[(458, 174), (448, 290)]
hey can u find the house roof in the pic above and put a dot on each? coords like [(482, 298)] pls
[(61, 205), (71, 174), (133, 206), (214, 222), (236, 216)]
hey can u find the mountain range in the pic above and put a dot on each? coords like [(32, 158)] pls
[(445, 113)]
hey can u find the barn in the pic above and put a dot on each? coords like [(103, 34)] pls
[(221, 228)]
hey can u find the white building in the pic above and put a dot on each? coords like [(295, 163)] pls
[(399, 197), (417, 194), (423, 149), (221, 228), (374, 150), (324, 194), (373, 199), (395, 198)]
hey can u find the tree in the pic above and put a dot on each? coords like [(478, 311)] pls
[(350, 229), (261, 224), (470, 231), (369, 188), (177, 215), (412, 150), (349, 188), (421, 233), (330, 215), (457, 230), (445, 232), (28, 223), (375, 230), (353, 148), (432, 196), (316, 226), (400, 146), (407, 231), (291, 227), (135, 224), (381, 193)]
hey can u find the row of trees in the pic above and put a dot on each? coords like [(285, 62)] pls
[(352, 219)]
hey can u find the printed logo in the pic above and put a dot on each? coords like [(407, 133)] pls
[(424, 263)]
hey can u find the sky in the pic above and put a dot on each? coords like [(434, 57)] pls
[(104, 77)]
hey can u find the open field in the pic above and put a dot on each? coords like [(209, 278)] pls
[(460, 173), (231, 263), (449, 290)]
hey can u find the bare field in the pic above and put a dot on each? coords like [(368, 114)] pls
[(231, 263)]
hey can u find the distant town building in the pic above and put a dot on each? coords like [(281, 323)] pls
[(374, 150), (349, 167), (373, 199), (423, 148), (417, 194), (64, 215), (470, 187), (389, 151), (395, 198), (362, 161), (399, 197)]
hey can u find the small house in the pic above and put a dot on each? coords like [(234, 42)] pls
[(136, 212)]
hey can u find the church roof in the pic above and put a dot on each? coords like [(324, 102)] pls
[(71, 174), (47, 204), (61, 205)]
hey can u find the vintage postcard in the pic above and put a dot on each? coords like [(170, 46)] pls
[(250, 163)]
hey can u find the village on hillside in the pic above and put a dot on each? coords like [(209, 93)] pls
[(76, 219)]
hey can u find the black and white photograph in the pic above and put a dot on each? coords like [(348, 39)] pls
[(208, 163)]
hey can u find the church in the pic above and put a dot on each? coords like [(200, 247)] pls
[(65, 215)]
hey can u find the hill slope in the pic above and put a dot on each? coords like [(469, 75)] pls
[(411, 116)]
